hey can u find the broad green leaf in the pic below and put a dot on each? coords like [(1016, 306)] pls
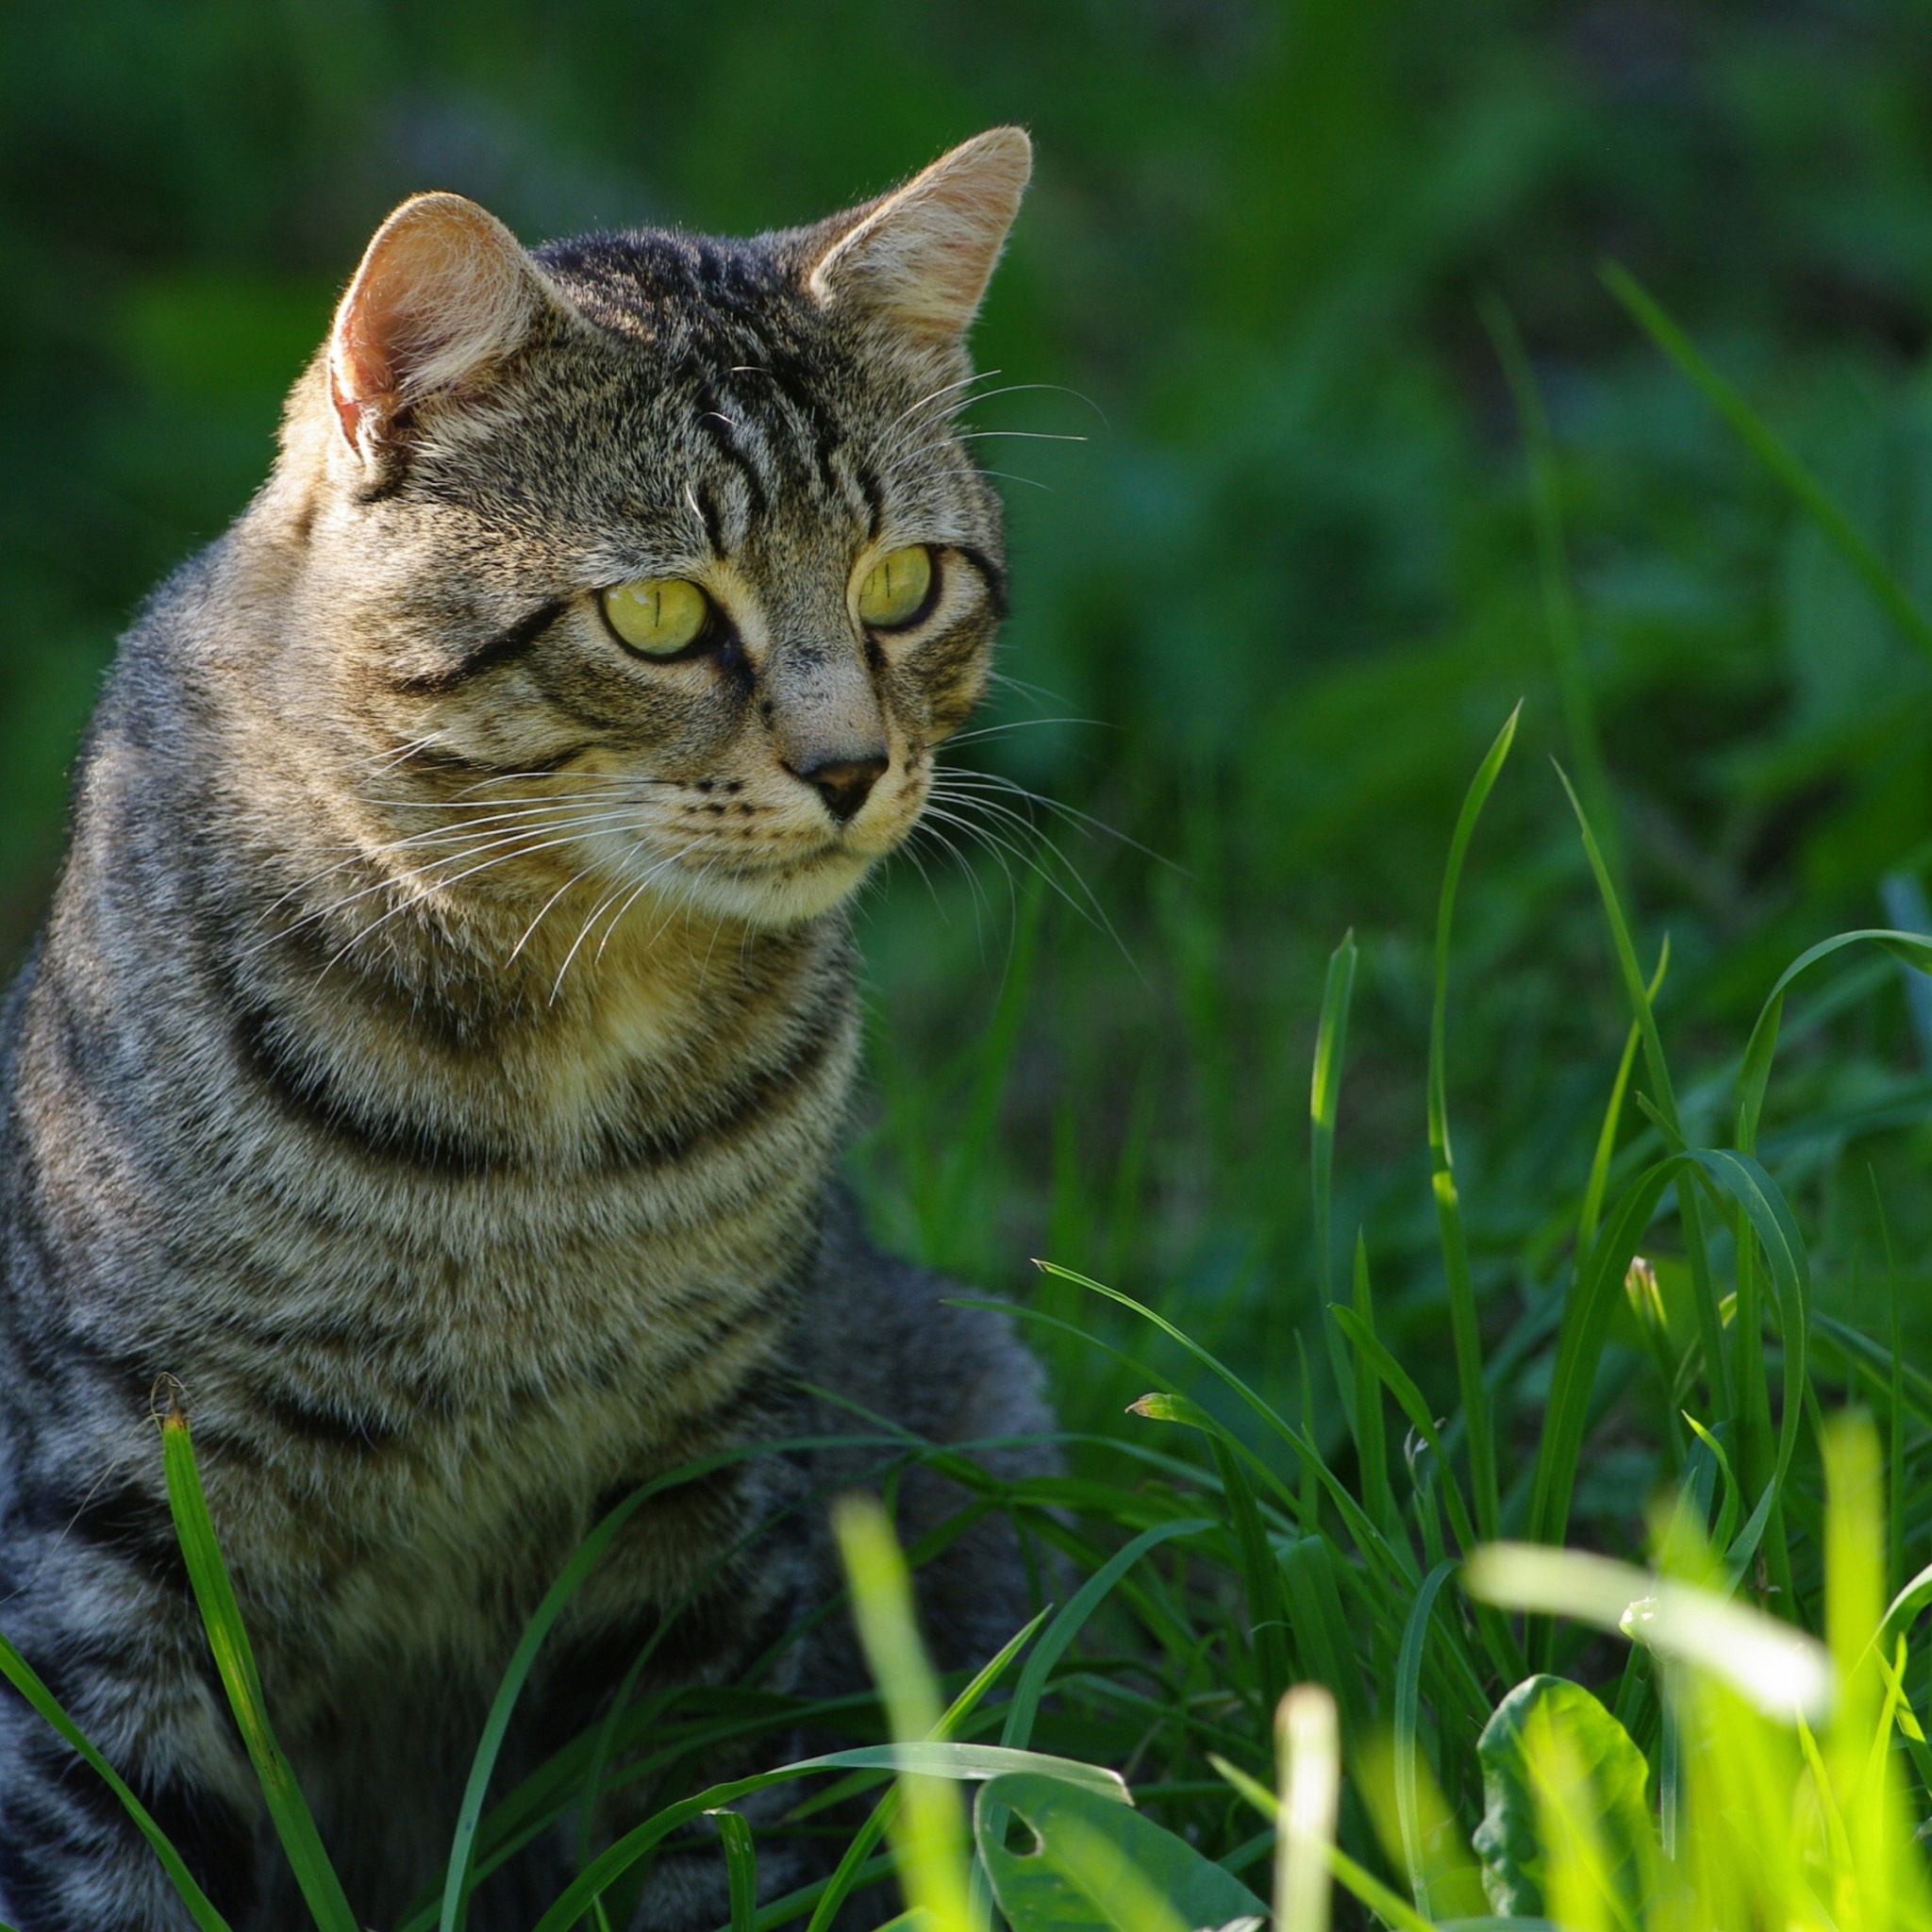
[(1097, 1867), (1508, 1840)]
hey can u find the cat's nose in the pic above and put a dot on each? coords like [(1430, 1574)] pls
[(844, 783)]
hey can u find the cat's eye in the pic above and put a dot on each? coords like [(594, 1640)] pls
[(657, 616), (896, 588)]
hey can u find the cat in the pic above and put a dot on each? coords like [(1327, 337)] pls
[(439, 1048)]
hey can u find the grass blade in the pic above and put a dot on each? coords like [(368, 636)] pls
[(1704, 1297), (1386, 1905), (1462, 1314), (1371, 1443), (458, 1879), (1775, 455), (1068, 1622), (1613, 1112), (227, 1638), (1408, 1673), (1324, 1090), (928, 1830), (1309, 1756), (21, 1675), (741, 1868), (1553, 565), (845, 1875)]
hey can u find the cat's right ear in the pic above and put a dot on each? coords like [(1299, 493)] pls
[(920, 257), (444, 292)]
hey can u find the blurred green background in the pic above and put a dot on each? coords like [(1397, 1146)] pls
[(1288, 578)]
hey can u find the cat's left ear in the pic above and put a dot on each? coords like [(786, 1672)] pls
[(920, 257), (444, 292)]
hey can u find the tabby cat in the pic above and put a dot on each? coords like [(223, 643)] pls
[(439, 1045)]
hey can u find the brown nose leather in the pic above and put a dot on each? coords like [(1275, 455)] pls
[(844, 784)]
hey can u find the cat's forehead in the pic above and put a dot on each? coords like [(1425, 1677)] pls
[(697, 300), (721, 384)]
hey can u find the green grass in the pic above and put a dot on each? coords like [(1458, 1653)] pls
[(1663, 1025)]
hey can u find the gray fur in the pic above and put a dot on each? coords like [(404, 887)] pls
[(440, 1041)]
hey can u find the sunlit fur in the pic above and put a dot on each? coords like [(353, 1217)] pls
[(440, 1044)]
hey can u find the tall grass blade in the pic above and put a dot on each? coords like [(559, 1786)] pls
[(1408, 1673), (1462, 1312), (1775, 455), (1414, 1406), (1325, 1090), (1309, 1767), (214, 1595), (1591, 1210), (928, 1834), (1392, 1910), (741, 1868), (1704, 1297), (1784, 1673), (853, 1860), (1371, 1443), (1068, 1622), (1553, 569)]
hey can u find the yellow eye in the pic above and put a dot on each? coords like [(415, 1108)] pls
[(895, 588), (658, 616)]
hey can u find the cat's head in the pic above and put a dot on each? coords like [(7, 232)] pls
[(651, 563)]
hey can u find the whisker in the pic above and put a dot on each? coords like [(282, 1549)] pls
[(505, 847), (577, 878), (1020, 724), (417, 898), (963, 775), (931, 827), (460, 837), (965, 402), (945, 389), (1093, 910)]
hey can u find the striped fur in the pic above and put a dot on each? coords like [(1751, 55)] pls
[(440, 1041)]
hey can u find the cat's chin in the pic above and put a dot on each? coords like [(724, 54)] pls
[(778, 897)]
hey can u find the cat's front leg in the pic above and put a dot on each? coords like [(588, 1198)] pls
[(102, 1611)]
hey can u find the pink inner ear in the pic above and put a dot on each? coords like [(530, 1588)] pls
[(357, 371), (442, 291)]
